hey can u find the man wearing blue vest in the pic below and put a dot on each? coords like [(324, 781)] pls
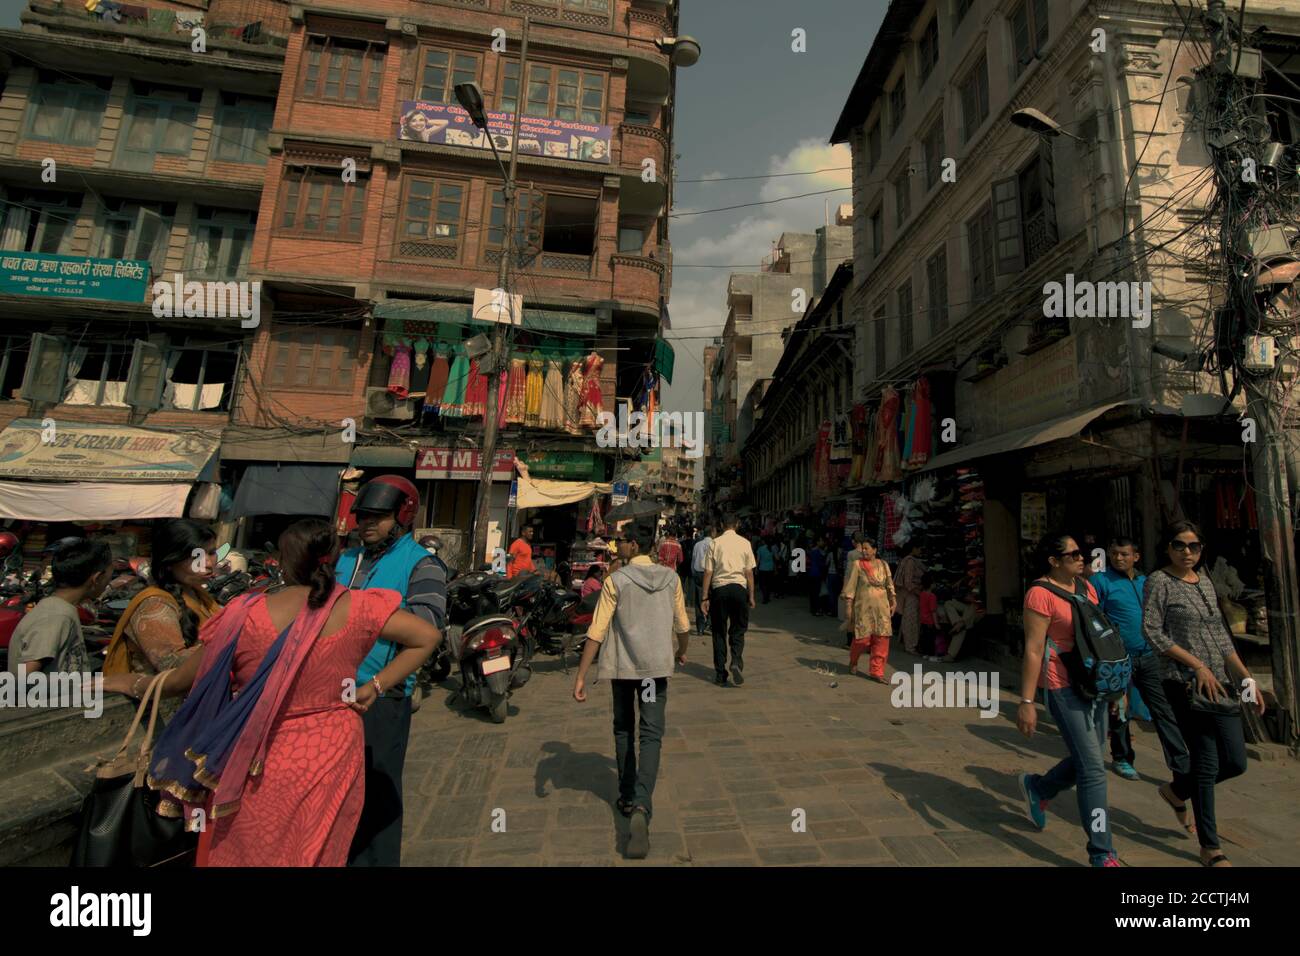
[(1120, 592), (391, 558)]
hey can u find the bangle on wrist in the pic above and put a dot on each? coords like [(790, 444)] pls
[(379, 688), (1028, 700)]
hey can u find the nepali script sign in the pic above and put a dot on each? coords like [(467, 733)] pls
[(462, 464), (74, 451), (423, 122), (73, 277)]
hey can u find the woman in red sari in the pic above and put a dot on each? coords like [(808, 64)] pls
[(269, 744)]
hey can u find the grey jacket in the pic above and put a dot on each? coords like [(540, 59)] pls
[(640, 641)]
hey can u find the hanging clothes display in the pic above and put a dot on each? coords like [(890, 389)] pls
[(476, 392), (573, 397), (592, 402), (517, 392), (536, 384), (453, 396), (439, 371), (822, 460), (858, 423), (887, 460), (421, 372), (553, 396), (922, 425), (399, 373)]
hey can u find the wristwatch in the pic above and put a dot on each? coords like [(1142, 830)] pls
[(1025, 700)]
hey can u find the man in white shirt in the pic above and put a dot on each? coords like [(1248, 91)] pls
[(698, 556), (729, 589)]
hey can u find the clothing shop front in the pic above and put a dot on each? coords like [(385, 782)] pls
[(559, 497)]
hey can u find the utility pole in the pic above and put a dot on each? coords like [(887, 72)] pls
[(491, 414), (1268, 463)]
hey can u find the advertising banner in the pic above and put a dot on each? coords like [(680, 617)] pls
[(449, 125), (74, 451), (73, 277)]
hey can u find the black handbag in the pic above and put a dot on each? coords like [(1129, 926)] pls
[(1228, 704), (120, 825)]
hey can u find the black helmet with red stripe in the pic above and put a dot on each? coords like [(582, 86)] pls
[(389, 494)]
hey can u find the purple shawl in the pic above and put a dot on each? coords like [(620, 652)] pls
[(219, 738)]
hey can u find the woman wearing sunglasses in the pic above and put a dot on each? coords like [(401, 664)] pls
[(1049, 619), (1182, 621)]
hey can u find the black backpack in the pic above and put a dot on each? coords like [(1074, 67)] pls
[(1098, 665)]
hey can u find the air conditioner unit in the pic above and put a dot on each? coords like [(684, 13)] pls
[(381, 403)]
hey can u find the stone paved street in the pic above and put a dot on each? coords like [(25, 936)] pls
[(878, 785)]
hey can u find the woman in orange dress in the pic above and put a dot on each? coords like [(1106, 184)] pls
[(269, 744), (870, 600)]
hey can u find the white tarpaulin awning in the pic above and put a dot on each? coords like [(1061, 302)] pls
[(91, 500), (545, 493)]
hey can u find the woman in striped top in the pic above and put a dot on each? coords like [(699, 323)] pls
[(1182, 621)]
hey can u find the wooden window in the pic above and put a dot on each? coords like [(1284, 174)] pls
[(877, 226), (318, 359), (132, 230), (932, 148), (936, 280), (898, 104), (873, 145), (929, 49), (878, 323), (14, 350), (555, 92), (67, 110), (905, 319), (313, 202), (1029, 32), (974, 99), (979, 235), (442, 71), (343, 70), (220, 244), (159, 121), (530, 209), (432, 218), (242, 125), (960, 9), (39, 221), (902, 196)]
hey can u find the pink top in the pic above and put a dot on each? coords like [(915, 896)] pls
[(929, 604), (1060, 629)]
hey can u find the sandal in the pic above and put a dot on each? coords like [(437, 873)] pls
[(1218, 859), (1180, 811)]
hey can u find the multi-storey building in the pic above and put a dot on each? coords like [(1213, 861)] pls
[(760, 307), (131, 150), (962, 219)]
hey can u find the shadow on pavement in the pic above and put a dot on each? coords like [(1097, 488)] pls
[(564, 768), (971, 808)]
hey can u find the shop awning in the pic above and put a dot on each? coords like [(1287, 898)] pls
[(287, 490), (87, 452), (91, 500), (460, 313), (383, 456), (541, 493), (1040, 434)]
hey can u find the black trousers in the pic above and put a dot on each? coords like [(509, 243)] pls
[(765, 584), (1218, 752), (1146, 678), (639, 705), (729, 615), (378, 840)]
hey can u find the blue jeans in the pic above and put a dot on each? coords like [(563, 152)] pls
[(1083, 726)]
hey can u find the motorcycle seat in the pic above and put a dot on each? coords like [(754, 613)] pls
[(507, 591)]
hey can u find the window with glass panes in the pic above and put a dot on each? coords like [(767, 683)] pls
[(1029, 31), (877, 226), (873, 145), (573, 95), (442, 71), (38, 221), (878, 328), (932, 147), (979, 236), (529, 217), (242, 125), (905, 318), (318, 359), (132, 230), (936, 281), (67, 110), (928, 49), (974, 99), (316, 202), (433, 211), (902, 196), (897, 104), (343, 69), (220, 243), (158, 121)]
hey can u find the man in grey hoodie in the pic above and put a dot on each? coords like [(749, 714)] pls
[(640, 610)]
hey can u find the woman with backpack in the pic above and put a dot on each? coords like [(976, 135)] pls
[(1049, 633), (1182, 621)]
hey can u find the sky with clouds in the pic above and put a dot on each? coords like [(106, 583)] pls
[(751, 107)]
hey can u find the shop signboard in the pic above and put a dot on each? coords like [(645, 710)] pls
[(76, 451), (462, 464), (571, 465), (619, 497), (73, 277), (450, 125)]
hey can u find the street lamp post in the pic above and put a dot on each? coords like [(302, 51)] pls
[(471, 99)]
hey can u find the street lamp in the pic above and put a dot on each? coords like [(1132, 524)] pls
[(1040, 123), (683, 51)]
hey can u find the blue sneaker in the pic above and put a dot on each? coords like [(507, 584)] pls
[(1035, 806), (1125, 770)]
